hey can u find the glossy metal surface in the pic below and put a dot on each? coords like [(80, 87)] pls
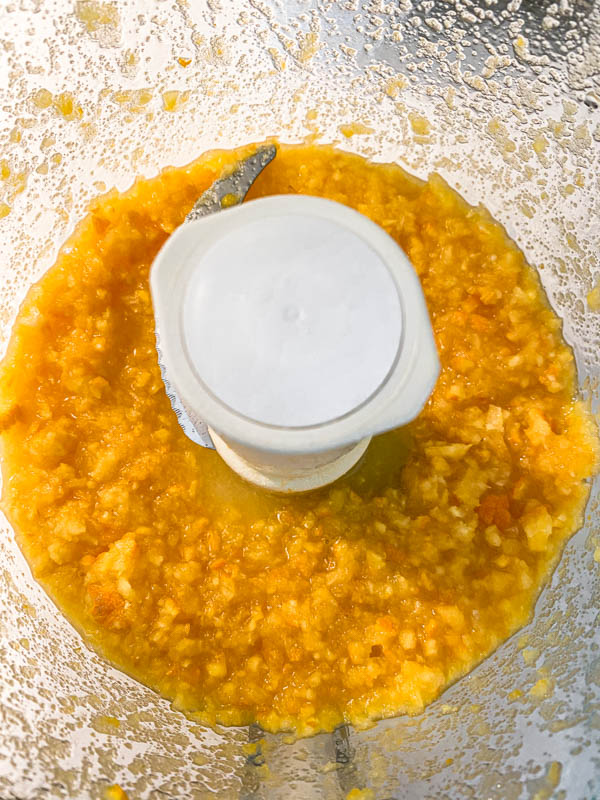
[(232, 188)]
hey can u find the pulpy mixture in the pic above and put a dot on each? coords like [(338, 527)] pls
[(354, 602)]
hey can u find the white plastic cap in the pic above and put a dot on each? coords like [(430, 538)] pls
[(291, 319), (293, 324)]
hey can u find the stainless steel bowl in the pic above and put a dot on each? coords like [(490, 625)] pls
[(502, 98)]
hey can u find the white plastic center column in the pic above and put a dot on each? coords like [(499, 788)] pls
[(295, 328), (292, 320)]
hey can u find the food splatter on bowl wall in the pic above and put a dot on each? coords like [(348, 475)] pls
[(501, 102)]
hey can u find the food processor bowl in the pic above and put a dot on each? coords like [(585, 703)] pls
[(500, 98)]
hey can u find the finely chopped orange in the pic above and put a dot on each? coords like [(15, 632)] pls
[(358, 601)]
